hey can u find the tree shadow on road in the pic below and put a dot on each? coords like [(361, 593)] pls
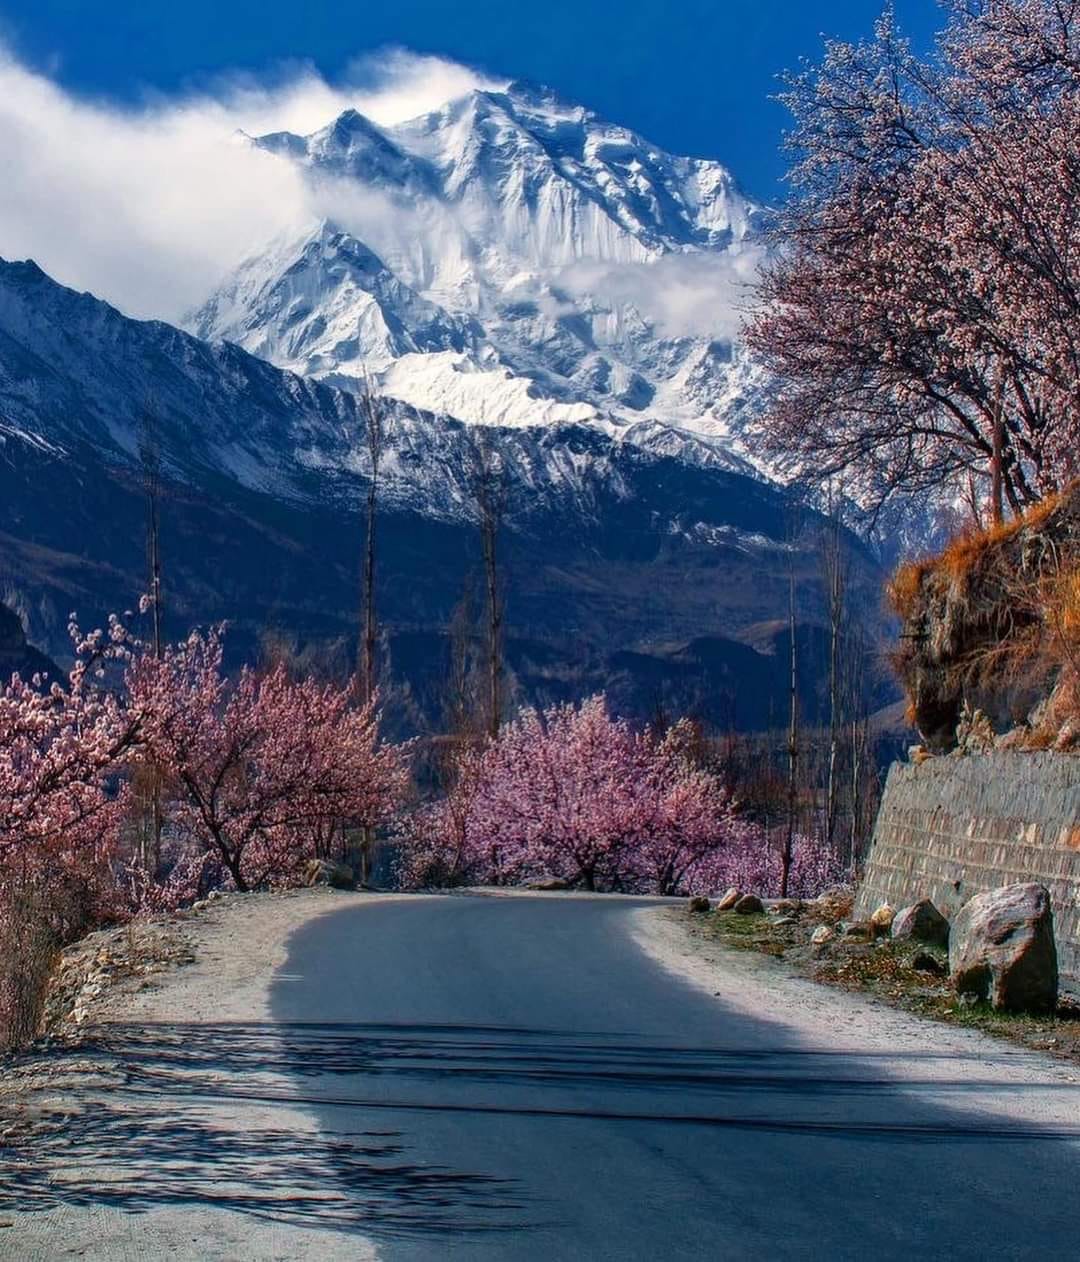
[(178, 1115), (196, 1115)]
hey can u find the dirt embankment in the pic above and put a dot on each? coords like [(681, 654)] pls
[(989, 650)]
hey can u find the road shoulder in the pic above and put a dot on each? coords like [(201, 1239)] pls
[(181, 1001), (910, 1048)]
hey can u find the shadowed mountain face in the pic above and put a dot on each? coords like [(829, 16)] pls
[(626, 565), (16, 656)]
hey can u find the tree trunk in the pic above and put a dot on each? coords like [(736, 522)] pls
[(997, 503), (489, 489), (150, 458), (373, 433), (367, 663), (494, 612), (834, 582), (793, 745)]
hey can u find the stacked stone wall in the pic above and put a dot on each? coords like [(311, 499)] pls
[(952, 827)]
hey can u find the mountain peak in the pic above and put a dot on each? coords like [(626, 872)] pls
[(500, 266)]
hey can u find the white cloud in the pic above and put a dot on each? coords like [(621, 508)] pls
[(681, 295), (150, 207)]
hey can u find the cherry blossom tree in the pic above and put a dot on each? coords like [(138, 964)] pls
[(921, 316), (260, 772), (59, 745), (62, 743), (573, 794)]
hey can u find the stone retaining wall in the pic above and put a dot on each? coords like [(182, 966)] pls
[(952, 827)]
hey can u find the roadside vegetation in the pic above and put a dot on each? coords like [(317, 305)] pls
[(906, 974), (151, 778)]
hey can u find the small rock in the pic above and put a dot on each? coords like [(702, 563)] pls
[(786, 920), (749, 905), (921, 922), (1002, 949), (699, 903), (856, 929), (924, 962), (338, 876), (728, 899), (836, 903), (821, 935), (881, 920)]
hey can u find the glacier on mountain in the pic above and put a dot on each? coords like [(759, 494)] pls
[(510, 260)]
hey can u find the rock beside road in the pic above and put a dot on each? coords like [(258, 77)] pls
[(338, 876), (728, 899), (1002, 949), (921, 922), (749, 905), (882, 919)]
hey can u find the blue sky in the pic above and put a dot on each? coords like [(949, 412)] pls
[(692, 75)]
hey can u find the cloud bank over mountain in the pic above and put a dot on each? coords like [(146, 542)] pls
[(149, 207)]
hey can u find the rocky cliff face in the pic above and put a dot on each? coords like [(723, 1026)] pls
[(990, 643)]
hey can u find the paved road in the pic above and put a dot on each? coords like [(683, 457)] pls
[(513, 1078)]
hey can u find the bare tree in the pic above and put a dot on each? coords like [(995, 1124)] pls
[(461, 709), (793, 531), (372, 415), (792, 745), (487, 478), (834, 574), (149, 447), (150, 468)]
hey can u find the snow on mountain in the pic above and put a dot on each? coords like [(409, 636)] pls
[(77, 375), (513, 260), (633, 554)]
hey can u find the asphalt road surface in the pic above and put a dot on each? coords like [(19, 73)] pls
[(514, 1078)]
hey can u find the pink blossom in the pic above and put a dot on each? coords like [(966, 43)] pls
[(573, 794)]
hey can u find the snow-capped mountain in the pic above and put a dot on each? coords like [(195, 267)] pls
[(509, 260), (637, 560)]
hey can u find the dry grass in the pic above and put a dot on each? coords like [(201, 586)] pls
[(998, 617), (28, 951), (1061, 600), (905, 587), (965, 553)]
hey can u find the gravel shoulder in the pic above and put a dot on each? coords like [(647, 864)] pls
[(137, 1129), (934, 1057)]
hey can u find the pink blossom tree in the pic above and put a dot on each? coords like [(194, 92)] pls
[(261, 772), (921, 316), (571, 793), (59, 745)]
